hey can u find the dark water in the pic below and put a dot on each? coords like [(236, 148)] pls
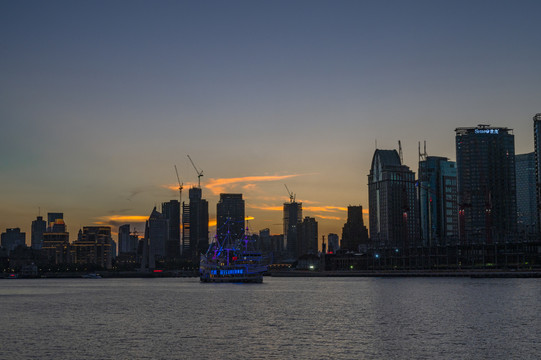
[(283, 318)]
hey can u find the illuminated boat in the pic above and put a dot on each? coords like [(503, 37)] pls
[(232, 261)]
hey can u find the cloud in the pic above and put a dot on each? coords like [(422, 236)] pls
[(117, 220), (329, 217), (217, 186), (325, 208), (265, 207)]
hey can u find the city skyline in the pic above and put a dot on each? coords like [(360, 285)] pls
[(102, 100)]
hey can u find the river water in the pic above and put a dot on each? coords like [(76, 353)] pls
[(283, 318)]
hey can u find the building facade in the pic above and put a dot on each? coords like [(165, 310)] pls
[(438, 204), (354, 232), (94, 246), (39, 226), (486, 184), (195, 219), (307, 236), (292, 217), (527, 216), (171, 211), (537, 151), (392, 202), (230, 216), (12, 238)]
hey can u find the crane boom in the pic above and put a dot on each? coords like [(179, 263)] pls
[(180, 187), (291, 195), (199, 172)]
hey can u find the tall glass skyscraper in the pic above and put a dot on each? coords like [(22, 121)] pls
[(486, 184), (526, 193), (392, 201), (437, 194), (537, 151)]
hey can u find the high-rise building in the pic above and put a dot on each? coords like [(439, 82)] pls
[(438, 206), (94, 246), (195, 229), (53, 222), (171, 211), (292, 217), (307, 236), (230, 216), (485, 159), (527, 216), (13, 238), (354, 233), (127, 242), (392, 201), (334, 242), (537, 151), (55, 247), (39, 226), (155, 240)]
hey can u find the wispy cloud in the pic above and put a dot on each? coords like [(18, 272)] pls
[(265, 207), (329, 217), (325, 208), (217, 186), (117, 220)]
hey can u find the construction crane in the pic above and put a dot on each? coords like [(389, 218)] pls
[(291, 195), (180, 187), (199, 172)]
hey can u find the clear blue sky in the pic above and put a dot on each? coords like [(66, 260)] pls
[(99, 99)]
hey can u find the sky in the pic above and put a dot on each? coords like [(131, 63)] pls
[(99, 100)]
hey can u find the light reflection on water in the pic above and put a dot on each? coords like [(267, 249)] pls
[(283, 318)]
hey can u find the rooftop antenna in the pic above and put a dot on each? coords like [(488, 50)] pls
[(400, 153), (180, 187), (291, 195), (199, 172)]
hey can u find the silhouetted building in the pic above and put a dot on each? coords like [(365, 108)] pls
[(127, 242), (526, 193), (55, 222), (156, 234), (55, 248), (195, 228), (438, 203), (537, 151), (307, 236), (171, 211), (292, 217), (39, 226), (392, 201), (230, 216), (334, 242), (354, 233), (12, 238), (486, 184), (94, 246)]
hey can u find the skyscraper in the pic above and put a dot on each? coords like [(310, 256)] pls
[(155, 240), (13, 238), (55, 222), (230, 216), (537, 151), (485, 159), (195, 219), (39, 226), (307, 236), (438, 207), (354, 233), (392, 201), (94, 246), (292, 217), (526, 193), (171, 211)]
